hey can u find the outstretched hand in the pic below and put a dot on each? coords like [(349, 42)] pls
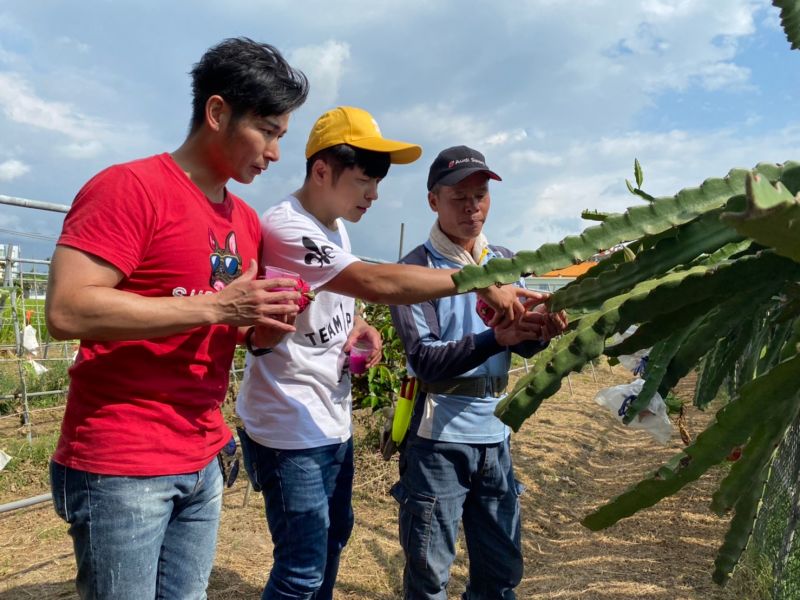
[(505, 303), (366, 332), (536, 323), (250, 301)]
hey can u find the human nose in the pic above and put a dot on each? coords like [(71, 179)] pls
[(472, 204), (272, 151), (372, 191)]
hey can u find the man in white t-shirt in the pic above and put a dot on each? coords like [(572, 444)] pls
[(295, 400)]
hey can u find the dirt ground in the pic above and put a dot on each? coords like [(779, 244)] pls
[(572, 456)]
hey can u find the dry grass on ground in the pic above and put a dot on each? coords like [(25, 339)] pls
[(572, 456)]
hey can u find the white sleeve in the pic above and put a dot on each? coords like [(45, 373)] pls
[(296, 243)]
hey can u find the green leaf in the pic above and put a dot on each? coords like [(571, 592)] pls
[(630, 187), (629, 254), (660, 327), (740, 529), (656, 296), (637, 172), (654, 218), (643, 194), (772, 217), (703, 235), (594, 215), (720, 363), (790, 20)]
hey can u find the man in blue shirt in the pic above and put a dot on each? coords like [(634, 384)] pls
[(455, 465)]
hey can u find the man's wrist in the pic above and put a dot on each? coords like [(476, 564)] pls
[(248, 342)]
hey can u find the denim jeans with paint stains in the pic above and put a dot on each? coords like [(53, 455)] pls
[(140, 537)]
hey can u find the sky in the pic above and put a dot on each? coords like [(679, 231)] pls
[(560, 96)]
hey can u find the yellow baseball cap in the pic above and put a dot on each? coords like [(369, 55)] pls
[(357, 128)]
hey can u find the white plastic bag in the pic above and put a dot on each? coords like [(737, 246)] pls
[(4, 460), (635, 362), (29, 341), (653, 419), (38, 368)]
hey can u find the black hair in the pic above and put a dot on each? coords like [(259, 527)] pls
[(344, 156), (250, 76)]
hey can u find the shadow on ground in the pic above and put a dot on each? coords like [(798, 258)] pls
[(224, 584)]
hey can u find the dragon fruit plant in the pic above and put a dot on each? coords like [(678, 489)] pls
[(711, 276)]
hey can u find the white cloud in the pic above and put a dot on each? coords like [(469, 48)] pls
[(504, 137), (546, 205), (521, 159), (79, 150), (11, 169), (79, 136), (69, 42), (441, 123), (324, 65), (22, 105), (720, 75)]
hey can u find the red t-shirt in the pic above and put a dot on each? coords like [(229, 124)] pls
[(152, 407)]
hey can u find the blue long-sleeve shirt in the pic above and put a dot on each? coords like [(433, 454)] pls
[(446, 339)]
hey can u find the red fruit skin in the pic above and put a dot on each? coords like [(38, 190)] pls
[(485, 312), (306, 295), (735, 454)]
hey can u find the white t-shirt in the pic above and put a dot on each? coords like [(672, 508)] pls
[(298, 396)]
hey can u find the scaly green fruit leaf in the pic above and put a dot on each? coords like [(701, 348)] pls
[(790, 20), (704, 235), (772, 217), (654, 218), (655, 296), (637, 173), (740, 529)]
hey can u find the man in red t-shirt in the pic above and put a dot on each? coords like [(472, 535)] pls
[(155, 272)]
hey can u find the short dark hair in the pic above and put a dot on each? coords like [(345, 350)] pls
[(250, 76), (344, 156)]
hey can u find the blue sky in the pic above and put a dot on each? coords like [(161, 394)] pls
[(560, 97)]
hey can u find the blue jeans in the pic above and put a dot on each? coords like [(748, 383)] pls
[(441, 485), (140, 537), (307, 496)]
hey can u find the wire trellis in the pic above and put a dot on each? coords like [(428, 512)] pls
[(776, 536)]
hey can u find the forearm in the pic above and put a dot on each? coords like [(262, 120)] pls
[(528, 348), (437, 362), (101, 313), (393, 283), (430, 357)]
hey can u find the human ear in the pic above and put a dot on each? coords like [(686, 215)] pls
[(432, 200), (216, 112), (318, 171)]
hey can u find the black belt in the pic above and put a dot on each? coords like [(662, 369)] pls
[(475, 387)]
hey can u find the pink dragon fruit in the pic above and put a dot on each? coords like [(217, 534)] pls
[(306, 295), (485, 312)]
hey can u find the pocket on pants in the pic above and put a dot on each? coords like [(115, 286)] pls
[(58, 489), (416, 516), (249, 453)]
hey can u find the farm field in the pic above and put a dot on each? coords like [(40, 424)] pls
[(571, 457)]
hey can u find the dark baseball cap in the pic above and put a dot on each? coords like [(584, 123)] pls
[(454, 164)]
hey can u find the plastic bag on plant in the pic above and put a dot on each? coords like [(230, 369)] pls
[(653, 419), (38, 368), (4, 460), (29, 341), (636, 362)]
